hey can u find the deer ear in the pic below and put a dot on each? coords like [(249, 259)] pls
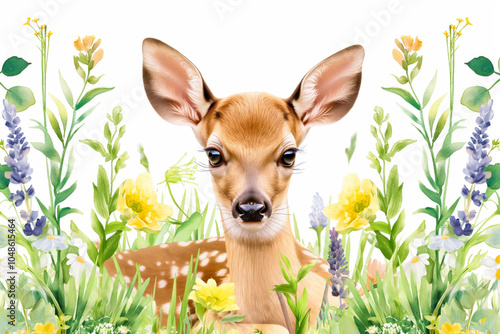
[(329, 90), (174, 86)]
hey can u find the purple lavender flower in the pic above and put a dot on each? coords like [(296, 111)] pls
[(338, 266), (17, 159), (317, 218), (474, 171)]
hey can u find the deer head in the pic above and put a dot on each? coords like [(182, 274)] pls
[(251, 139)]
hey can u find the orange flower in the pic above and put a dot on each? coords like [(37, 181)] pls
[(411, 44), (42, 27), (36, 20), (467, 22), (460, 20), (459, 33), (49, 34), (97, 56), (87, 43), (453, 26), (373, 268), (37, 33), (27, 21), (446, 34)]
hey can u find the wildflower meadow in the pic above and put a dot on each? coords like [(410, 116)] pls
[(433, 270)]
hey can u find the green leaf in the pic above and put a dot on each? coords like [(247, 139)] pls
[(55, 125), (120, 162), (349, 151), (433, 196), (66, 211), (425, 167), (409, 114), (100, 203), (404, 94), (48, 213), (117, 226), (110, 247), (494, 239), (21, 97), (395, 202), (60, 197), (433, 111), (447, 214), (143, 158), (398, 225), (304, 271), (103, 182), (440, 124), (384, 245), (78, 68), (107, 132), (400, 145), (93, 80), (97, 225), (117, 115), (14, 66), (48, 150), (90, 95), (63, 113), (66, 90), (494, 181), (429, 90), (481, 66), (380, 226), (474, 97), (402, 79), (97, 146), (85, 114), (428, 210), (4, 182), (447, 150), (183, 232), (232, 318)]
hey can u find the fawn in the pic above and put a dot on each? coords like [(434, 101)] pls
[(251, 140)]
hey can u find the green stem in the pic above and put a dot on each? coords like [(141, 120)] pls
[(173, 199), (1, 84)]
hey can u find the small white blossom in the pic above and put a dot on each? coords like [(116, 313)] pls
[(416, 264), (123, 330), (46, 244), (491, 269), (80, 263), (444, 241), (103, 329)]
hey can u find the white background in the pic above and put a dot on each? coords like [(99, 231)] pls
[(243, 45)]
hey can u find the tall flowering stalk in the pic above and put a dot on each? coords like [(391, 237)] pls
[(317, 218), (338, 267), (474, 172), (17, 159)]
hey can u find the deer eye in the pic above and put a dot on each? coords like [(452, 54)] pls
[(288, 158), (214, 157)]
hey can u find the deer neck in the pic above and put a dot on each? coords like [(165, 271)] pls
[(255, 269)]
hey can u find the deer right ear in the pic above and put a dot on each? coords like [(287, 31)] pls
[(174, 86)]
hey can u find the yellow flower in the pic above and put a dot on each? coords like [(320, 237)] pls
[(460, 20), (446, 34), (42, 27), (453, 26), (37, 33), (410, 43), (27, 21), (49, 34), (459, 33), (86, 43), (49, 328), (139, 206), (36, 20), (97, 56), (448, 328), (212, 297), (357, 204), (467, 22)]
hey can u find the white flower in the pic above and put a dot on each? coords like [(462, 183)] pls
[(419, 242), (372, 330), (491, 269), (416, 264), (79, 263), (103, 329), (123, 330), (444, 241), (46, 244), (77, 242)]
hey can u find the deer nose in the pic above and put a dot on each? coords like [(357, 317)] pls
[(251, 206)]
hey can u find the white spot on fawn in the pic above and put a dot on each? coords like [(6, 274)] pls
[(174, 270), (142, 268), (199, 274), (199, 241), (158, 263), (203, 255), (184, 270), (222, 272), (214, 253), (120, 256), (130, 262), (165, 308), (127, 279), (211, 239), (184, 243), (162, 283), (221, 258), (204, 262), (163, 245), (178, 309)]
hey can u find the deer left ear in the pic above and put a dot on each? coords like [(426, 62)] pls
[(329, 90)]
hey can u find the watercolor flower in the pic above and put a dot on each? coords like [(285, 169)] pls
[(86, 43), (317, 217), (491, 269), (448, 328), (212, 297), (357, 204), (80, 263), (416, 263), (444, 241), (139, 206), (373, 268), (338, 266), (48, 328), (46, 244), (467, 22), (185, 173), (407, 43)]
